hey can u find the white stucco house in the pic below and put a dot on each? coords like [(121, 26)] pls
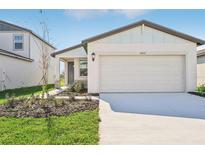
[(20, 52), (201, 67), (140, 57)]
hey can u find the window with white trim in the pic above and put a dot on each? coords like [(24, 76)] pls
[(18, 41), (83, 68)]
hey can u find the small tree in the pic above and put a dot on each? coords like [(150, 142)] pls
[(44, 63), (44, 60)]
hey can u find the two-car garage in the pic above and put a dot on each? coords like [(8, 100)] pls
[(142, 57), (142, 73)]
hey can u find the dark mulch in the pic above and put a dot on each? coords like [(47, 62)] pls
[(39, 108), (202, 94)]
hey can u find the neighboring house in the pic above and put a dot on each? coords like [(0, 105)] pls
[(201, 67), (20, 54), (140, 57)]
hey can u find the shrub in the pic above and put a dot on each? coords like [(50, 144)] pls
[(201, 88), (10, 99), (77, 87), (57, 84)]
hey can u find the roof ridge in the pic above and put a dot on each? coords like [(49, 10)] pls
[(149, 24)]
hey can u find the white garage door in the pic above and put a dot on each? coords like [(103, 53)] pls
[(142, 73)]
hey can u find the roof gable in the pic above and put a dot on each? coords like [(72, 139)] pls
[(148, 24), (67, 49), (5, 26)]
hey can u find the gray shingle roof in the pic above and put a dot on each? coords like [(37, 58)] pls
[(13, 55)]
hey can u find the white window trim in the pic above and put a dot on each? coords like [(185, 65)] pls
[(14, 42), (79, 67)]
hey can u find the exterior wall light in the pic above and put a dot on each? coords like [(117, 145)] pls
[(93, 56)]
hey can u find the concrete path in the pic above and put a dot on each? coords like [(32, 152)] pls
[(133, 128), (57, 91)]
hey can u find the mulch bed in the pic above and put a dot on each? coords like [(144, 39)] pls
[(201, 94), (39, 108)]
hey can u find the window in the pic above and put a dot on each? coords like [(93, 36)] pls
[(83, 68), (18, 42)]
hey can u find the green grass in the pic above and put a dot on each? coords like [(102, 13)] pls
[(78, 128), (27, 91)]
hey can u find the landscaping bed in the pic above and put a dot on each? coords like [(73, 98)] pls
[(37, 107), (202, 94), (200, 91), (26, 118), (30, 119), (49, 121)]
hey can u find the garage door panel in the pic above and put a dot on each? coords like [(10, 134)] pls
[(142, 73)]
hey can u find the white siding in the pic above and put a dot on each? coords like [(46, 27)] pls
[(142, 35), (138, 41), (200, 70), (24, 74), (77, 70), (6, 42), (17, 73), (75, 53), (53, 72)]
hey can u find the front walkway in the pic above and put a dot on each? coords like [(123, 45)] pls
[(133, 128), (57, 91)]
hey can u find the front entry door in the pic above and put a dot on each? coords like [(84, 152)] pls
[(70, 73)]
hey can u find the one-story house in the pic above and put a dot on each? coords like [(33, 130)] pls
[(21, 57), (201, 67), (140, 57)]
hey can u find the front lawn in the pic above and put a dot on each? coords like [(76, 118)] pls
[(27, 91), (77, 128)]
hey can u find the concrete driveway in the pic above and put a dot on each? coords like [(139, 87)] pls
[(152, 118)]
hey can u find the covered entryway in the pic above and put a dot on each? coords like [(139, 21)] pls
[(75, 64), (148, 73)]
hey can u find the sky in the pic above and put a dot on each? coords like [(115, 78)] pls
[(70, 27)]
